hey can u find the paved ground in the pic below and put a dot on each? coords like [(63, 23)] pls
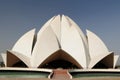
[(99, 78), (107, 78), (61, 74)]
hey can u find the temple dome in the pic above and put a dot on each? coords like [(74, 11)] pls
[(60, 41)]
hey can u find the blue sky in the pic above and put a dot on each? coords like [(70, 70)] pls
[(100, 16)]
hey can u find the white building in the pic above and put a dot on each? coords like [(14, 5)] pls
[(60, 43)]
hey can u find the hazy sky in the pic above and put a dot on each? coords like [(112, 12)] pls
[(100, 16)]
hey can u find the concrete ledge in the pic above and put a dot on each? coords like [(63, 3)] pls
[(94, 70), (26, 69)]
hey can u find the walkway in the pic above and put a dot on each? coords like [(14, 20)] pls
[(60, 74)]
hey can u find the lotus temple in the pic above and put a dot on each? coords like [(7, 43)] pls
[(59, 48)]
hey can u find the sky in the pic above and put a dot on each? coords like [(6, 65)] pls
[(100, 16)]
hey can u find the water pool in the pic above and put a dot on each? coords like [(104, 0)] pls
[(23, 74), (94, 74)]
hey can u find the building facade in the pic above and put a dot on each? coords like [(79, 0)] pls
[(60, 43)]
